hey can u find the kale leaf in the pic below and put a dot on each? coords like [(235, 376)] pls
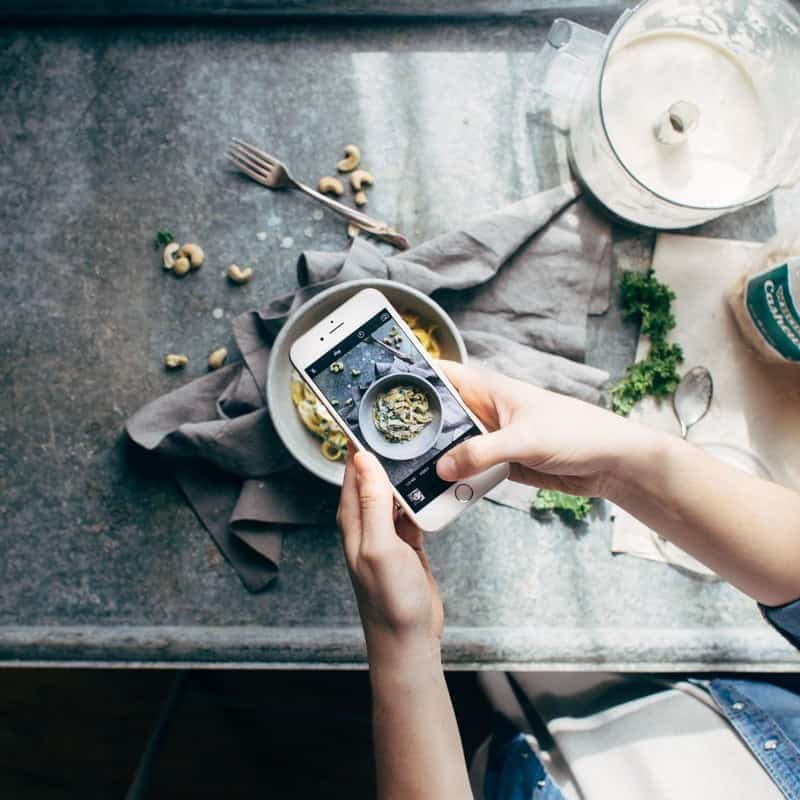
[(645, 298), (569, 507), (657, 375), (162, 238)]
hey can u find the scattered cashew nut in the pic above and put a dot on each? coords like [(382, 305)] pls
[(181, 266), (360, 198), (238, 275), (329, 185), (352, 158), (217, 358), (194, 253), (175, 360), (169, 254), (353, 231), (361, 178)]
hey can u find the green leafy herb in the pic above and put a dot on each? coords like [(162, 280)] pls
[(656, 375), (162, 238), (569, 507), (644, 297)]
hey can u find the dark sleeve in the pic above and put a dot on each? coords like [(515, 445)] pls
[(785, 619)]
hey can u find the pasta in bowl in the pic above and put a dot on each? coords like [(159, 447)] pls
[(400, 416)]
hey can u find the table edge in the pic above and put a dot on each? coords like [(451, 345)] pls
[(535, 648)]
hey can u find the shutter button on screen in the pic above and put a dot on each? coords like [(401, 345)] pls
[(464, 493)]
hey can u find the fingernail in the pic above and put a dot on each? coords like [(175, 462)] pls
[(446, 468)]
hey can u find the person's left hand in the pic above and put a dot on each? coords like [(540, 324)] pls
[(397, 595)]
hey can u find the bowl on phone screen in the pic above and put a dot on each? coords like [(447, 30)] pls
[(423, 441), (298, 440)]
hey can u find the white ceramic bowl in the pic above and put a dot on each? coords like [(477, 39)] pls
[(299, 441), (400, 451)]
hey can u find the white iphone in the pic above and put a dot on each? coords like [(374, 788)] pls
[(368, 369)]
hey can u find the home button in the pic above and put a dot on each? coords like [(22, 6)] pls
[(464, 493)]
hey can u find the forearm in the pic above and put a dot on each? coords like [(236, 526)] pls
[(418, 751), (746, 529)]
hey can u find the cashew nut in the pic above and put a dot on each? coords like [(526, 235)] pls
[(238, 275), (351, 160), (181, 266), (328, 185), (360, 198), (217, 358), (361, 178), (169, 254), (194, 253), (175, 360), (353, 231)]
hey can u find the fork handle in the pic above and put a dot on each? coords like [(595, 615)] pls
[(377, 228)]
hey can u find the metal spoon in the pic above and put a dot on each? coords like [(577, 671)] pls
[(692, 398)]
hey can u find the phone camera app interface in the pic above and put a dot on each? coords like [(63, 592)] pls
[(380, 383)]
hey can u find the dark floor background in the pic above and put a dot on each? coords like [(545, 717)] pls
[(80, 733)]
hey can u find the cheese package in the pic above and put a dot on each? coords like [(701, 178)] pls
[(766, 301)]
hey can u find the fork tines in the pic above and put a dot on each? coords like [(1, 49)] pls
[(250, 160)]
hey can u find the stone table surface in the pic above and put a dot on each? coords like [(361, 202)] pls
[(110, 133)]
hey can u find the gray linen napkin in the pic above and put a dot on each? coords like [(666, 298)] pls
[(519, 283)]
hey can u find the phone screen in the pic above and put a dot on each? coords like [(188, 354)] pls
[(411, 418)]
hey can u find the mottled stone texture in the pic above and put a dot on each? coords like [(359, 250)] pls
[(108, 134), (364, 9)]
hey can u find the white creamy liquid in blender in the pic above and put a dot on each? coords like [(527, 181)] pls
[(718, 163)]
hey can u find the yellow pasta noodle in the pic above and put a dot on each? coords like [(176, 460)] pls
[(316, 417)]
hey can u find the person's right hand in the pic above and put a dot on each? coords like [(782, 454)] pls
[(551, 441)]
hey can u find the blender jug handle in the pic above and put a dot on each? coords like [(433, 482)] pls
[(570, 54)]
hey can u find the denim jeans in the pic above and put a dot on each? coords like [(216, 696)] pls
[(766, 717)]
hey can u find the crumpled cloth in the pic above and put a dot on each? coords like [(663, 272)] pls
[(519, 284)]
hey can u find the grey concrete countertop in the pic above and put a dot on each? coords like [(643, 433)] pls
[(108, 134)]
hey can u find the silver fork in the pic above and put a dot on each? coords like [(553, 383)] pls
[(269, 172)]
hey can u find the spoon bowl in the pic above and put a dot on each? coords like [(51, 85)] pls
[(692, 398)]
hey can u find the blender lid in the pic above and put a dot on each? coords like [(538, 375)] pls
[(685, 114)]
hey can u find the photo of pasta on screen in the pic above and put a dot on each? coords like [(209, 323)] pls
[(392, 400)]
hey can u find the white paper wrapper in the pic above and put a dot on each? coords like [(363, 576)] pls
[(756, 406)]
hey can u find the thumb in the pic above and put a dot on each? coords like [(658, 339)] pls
[(478, 454), (376, 501)]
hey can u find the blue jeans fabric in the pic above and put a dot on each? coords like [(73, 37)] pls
[(786, 620), (766, 716), (513, 771)]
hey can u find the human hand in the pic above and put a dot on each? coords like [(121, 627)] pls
[(398, 599), (551, 441)]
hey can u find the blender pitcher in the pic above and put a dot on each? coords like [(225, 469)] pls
[(687, 110)]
